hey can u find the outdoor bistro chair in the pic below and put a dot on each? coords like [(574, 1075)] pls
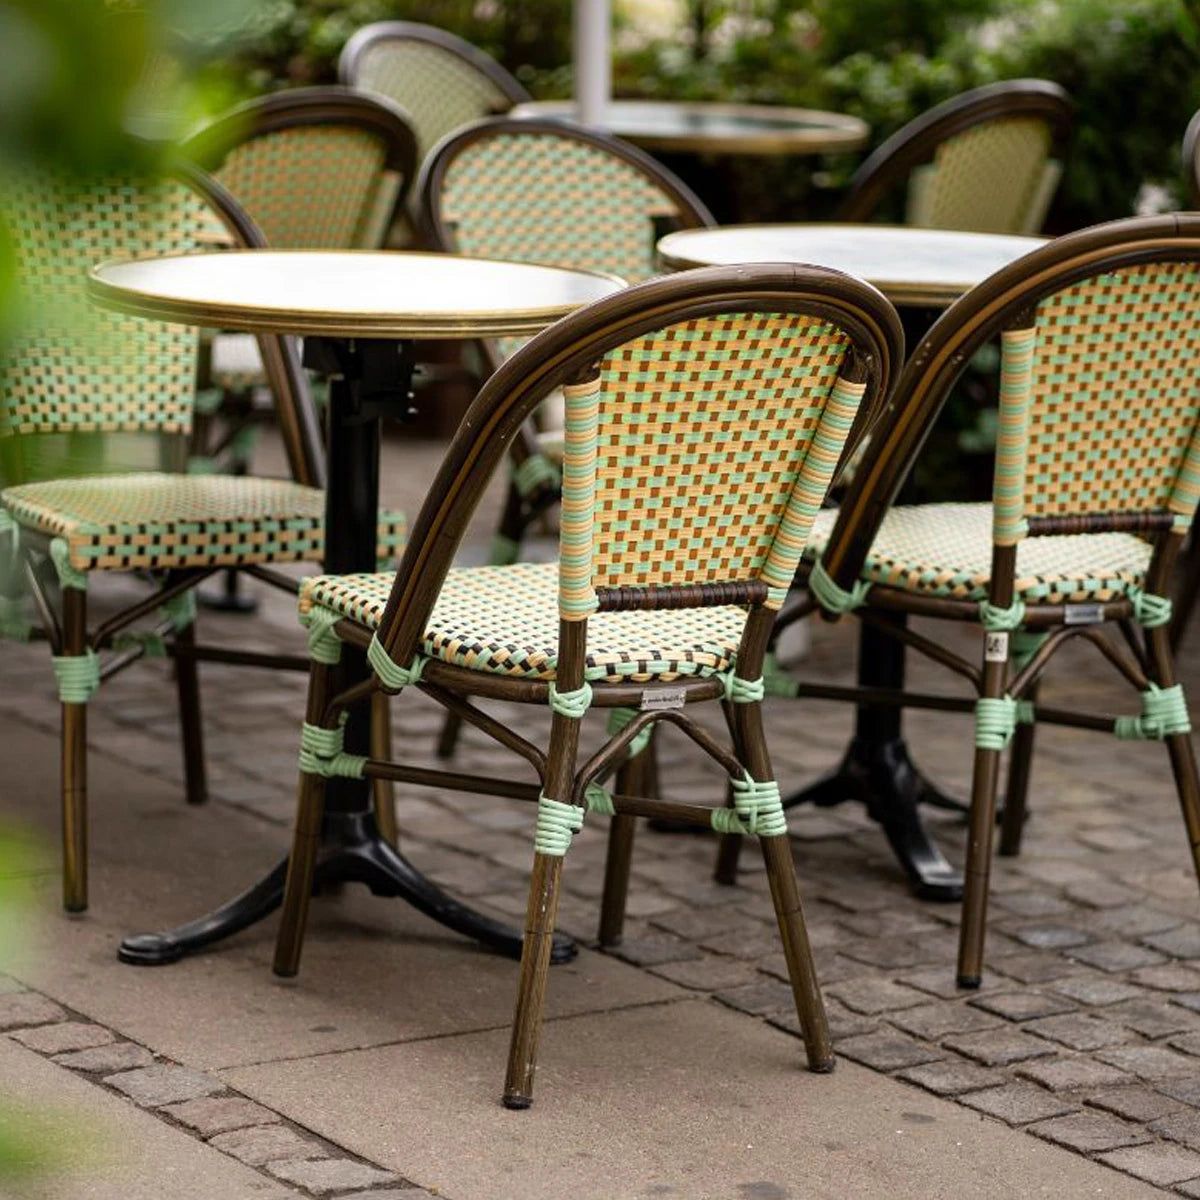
[(551, 193), (705, 415), (1096, 483), (125, 385), (988, 161), (438, 78)]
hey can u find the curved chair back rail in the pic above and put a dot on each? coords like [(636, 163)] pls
[(318, 168), (1104, 438), (125, 376), (440, 79), (1191, 160), (987, 161), (549, 192), (805, 343)]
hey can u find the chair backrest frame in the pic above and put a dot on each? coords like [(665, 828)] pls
[(317, 108), (891, 164), (566, 354), (1191, 159), (359, 48), (1004, 303)]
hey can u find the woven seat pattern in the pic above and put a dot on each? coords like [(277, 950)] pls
[(995, 177), (314, 186), (74, 368), (505, 620), (153, 520), (946, 550), (436, 87)]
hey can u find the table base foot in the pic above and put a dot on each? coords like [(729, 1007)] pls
[(352, 852)]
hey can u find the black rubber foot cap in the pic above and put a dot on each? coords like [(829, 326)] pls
[(562, 950), (517, 1103), (971, 982), (824, 1068), (149, 950)]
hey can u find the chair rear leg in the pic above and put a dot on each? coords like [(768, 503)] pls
[(976, 876), (187, 685), (631, 781), (383, 791), (74, 763), (1016, 796)]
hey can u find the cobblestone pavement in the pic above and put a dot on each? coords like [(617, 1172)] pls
[(1086, 1032)]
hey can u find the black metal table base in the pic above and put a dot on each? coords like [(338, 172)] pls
[(351, 852)]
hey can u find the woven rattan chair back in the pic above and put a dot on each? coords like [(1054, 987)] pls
[(706, 413), (441, 80), (1099, 408), (551, 193), (317, 168), (988, 161)]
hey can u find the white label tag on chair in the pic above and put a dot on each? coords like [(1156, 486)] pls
[(995, 647), (1083, 614), (663, 698)]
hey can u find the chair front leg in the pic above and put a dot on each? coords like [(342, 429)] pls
[(383, 791), (187, 686), (74, 753)]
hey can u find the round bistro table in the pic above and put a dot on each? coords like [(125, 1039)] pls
[(359, 312), (916, 269), (700, 127)]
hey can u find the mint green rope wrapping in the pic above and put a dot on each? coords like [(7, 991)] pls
[(180, 610), (1025, 644), (1164, 712), (9, 525), (1150, 611), (504, 551), (618, 718), (743, 691), (68, 576), (571, 704), (776, 681), (833, 598), (321, 753), (758, 806), (324, 646), (1002, 620), (533, 475), (151, 643), (390, 675), (599, 800), (556, 824), (78, 676), (996, 719)]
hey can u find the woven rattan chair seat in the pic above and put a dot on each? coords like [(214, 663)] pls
[(946, 550), (158, 520), (505, 620)]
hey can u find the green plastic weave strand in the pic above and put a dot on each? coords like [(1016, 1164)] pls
[(393, 677), (996, 719), (571, 704), (1164, 713), (78, 676), (759, 807), (324, 646), (743, 691), (535, 474), (833, 598), (321, 753), (618, 718), (556, 824)]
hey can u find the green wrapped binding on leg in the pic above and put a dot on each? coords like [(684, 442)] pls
[(557, 823), (1164, 712)]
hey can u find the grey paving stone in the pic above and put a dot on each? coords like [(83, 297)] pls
[(1158, 1163), (1101, 893), (258, 1145), (1153, 1018), (1113, 838), (1032, 968), (1134, 920), (324, 1175), (1189, 1043), (934, 1021), (760, 998), (67, 1035), (1079, 1031), (210, 1115), (1088, 1132), (706, 973), (1051, 936), (19, 1010), (1191, 1188), (1061, 1074), (164, 1083), (1116, 956), (999, 1047), (940, 981), (951, 1077), (1174, 977), (1180, 1126), (1023, 1006), (1149, 1062), (694, 923), (1186, 1090), (1018, 1103), (1134, 1102), (1033, 904), (875, 995), (890, 953), (1183, 942), (8, 985), (1096, 990), (653, 951), (101, 1060), (887, 1051)]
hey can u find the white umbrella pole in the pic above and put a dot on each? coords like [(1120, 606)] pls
[(593, 59)]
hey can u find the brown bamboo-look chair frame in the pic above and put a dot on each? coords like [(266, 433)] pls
[(1006, 305), (65, 627), (917, 143), (352, 69), (568, 354)]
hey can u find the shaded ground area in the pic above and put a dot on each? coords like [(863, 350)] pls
[(668, 1069)]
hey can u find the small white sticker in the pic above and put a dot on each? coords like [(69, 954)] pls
[(995, 647), (664, 698)]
